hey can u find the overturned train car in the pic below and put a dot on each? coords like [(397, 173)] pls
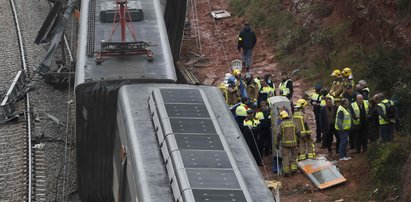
[(181, 143)]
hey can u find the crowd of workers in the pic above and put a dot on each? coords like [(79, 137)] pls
[(345, 111)]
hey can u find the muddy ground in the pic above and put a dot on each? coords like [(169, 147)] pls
[(218, 48)]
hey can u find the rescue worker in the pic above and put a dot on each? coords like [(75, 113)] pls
[(306, 146), (263, 115), (343, 127), (359, 111), (241, 111), (246, 41), (373, 120), (251, 128), (251, 87), (365, 91), (269, 80), (288, 137), (337, 85), (327, 119), (351, 97), (265, 92), (231, 93), (316, 103), (386, 118), (286, 86), (348, 78)]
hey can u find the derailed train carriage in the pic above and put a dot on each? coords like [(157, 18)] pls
[(118, 156)]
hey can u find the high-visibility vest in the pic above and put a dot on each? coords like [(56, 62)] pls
[(299, 120), (241, 110), (257, 81), (316, 97), (283, 87), (259, 115), (323, 102), (382, 105), (289, 138), (267, 89), (251, 122), (346, 123), (356, 109), (367, 89)]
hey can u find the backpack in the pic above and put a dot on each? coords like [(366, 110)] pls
[(391, 111)]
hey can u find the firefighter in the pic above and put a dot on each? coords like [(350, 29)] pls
[(348, 78), (251, 129), (288, 137), (251, 87), (337, 86), (306, 146), (231, 93)]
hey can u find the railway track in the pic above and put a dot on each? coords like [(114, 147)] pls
[(21, 172)]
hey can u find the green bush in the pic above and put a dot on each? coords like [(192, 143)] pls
[(386, 162), (403, 4)]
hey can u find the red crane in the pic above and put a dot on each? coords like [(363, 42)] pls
[(110, 48)]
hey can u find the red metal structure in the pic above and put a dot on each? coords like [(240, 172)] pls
[(122, 18)]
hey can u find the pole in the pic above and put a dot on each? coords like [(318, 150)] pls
[(122, 19)]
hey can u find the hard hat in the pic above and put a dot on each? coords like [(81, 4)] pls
[(346, 72), (283, 114), (317, 86), (336, 73), (236, 72), (231, 80), (302, 103)]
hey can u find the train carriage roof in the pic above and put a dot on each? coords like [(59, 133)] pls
[(141, 137), (132, 67)]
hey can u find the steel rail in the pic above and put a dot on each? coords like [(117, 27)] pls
[(27, 114)]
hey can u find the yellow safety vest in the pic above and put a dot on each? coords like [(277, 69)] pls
[(289, 138), (257, 81), (346, 123), (251, 122), (299, 121), (283, 87), (259, 115), (241, 110), (356, 109), (316, 97), (382, 105), (267, 89)]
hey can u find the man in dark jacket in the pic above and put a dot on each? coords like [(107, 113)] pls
[(246, 41), (327, 123)]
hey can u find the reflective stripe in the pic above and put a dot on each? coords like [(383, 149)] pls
[(316, 97), (299, 119), (267, 89), (346, 123), (240, 39), (288, 139), (356, 109), (382, 121)]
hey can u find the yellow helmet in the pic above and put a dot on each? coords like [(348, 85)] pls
[(302, 103), (346, 72), (336, 73), (283, 114), (236, 72)]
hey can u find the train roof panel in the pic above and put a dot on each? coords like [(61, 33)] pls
[(151, 29), (211, 165)]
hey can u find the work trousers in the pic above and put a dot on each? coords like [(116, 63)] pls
[(374, 133), (252, 143), (265, 141), (289, 155), (361, 138), (342, 150), (329, 139), (351, 139), (306, 148), (387, 132), (317, 123), (247, 57)]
